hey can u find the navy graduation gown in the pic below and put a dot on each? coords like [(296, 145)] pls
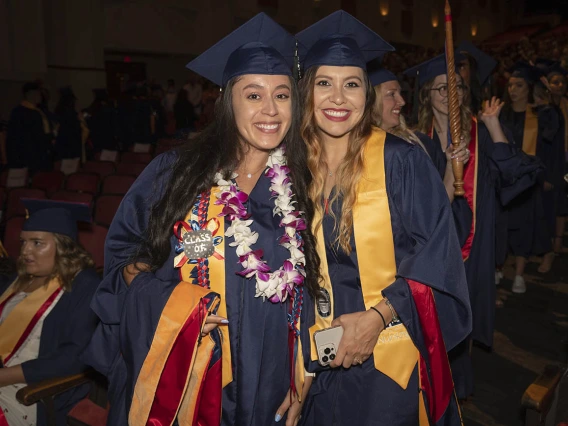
[(427, 251), (129, 315), (103, 127), (65, 334), (27, 144), (528, 233), (68, 143)]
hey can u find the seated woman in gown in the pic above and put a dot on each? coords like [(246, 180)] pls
[(45, 318)]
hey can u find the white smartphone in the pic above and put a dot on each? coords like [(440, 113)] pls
[(327, 343)]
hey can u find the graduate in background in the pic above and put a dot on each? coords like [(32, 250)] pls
[(208, 256), (387, 245), (45, 319), (28, 139), (494, 166), (528, 232), (101, 118)]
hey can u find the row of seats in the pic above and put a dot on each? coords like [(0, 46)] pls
[(101, 184)]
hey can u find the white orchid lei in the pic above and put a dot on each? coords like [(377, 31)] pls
[(278, 285)]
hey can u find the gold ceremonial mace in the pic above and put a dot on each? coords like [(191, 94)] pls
[(453, 102)]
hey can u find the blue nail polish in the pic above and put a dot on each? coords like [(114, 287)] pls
[(277, 418), (224, 321)]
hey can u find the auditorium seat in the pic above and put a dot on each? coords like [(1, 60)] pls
[(14, 207), (102, 168), (136, 157), (106, 207), (92, 238), (48, 181), (78, 197), (117, 184), (133, 169), (83, 182), (12, 236)]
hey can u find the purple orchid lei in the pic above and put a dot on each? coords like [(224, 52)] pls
[(278, 285)]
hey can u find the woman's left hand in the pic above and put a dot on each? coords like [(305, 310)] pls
[(360, 334), (292, 405), (491, 110)]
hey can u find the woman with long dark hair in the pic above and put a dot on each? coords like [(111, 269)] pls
[(208, 259), (69, 140), (387, 244)]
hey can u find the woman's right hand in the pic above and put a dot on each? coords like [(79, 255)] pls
[(212, 322)]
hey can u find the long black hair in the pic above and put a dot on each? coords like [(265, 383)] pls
[(219, 149)]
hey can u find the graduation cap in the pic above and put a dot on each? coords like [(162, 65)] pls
[(30, 86), (340, 40), (67, 91), (58, 217), (525, 71), (485, 63), (431, 69), (378, 74), (260, 46), (100, 94), (548, 66)]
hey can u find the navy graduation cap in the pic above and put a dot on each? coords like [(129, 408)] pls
[(548, 66), (260, 46), (525, 71), (485, 63), (340, 40), (378, 74), (431, 69), (58, 217)]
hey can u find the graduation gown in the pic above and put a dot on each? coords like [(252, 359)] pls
[(103, 128), (500, 170), (68, 143), (528, 232), (65, 334), (427, 256), (129, 314), (28, 140)]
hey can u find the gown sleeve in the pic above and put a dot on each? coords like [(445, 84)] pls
[(420, 210), (75, 332)]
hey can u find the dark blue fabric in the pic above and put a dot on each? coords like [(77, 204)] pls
[(381, 76), (427, 251), (27, 145), (68, 143), (65, 334), (129, 315), (103, 127), (528, 232), (432, 68), (260, 46)]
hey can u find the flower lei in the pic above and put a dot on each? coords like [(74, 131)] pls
[(278, 285)]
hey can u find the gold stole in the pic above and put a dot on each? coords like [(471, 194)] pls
[(16, 323), (45, 121), (217, 282), (530, 132), (395, 355), (564, 108)]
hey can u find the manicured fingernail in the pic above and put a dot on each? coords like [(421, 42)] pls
[(225, 321), (277, 418)]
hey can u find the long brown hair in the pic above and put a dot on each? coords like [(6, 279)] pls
[(426, 113), (70, 259), (350, 169)]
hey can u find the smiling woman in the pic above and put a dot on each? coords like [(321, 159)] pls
[(45, 319), (377, 258), (214, 320)]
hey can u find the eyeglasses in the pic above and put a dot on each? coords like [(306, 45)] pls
[(443, 90)]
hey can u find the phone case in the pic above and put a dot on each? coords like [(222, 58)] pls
[(327, 343)]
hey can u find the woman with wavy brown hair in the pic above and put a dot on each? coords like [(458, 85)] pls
[(45, 318), (387, 245), (495, 169)]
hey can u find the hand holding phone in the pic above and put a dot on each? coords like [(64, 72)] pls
[(327, 344)]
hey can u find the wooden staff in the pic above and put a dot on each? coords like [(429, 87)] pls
[(453, 102)]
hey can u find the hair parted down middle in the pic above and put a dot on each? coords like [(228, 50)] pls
[(426, 113), (219, 148), (349, 171), (70, 259)]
